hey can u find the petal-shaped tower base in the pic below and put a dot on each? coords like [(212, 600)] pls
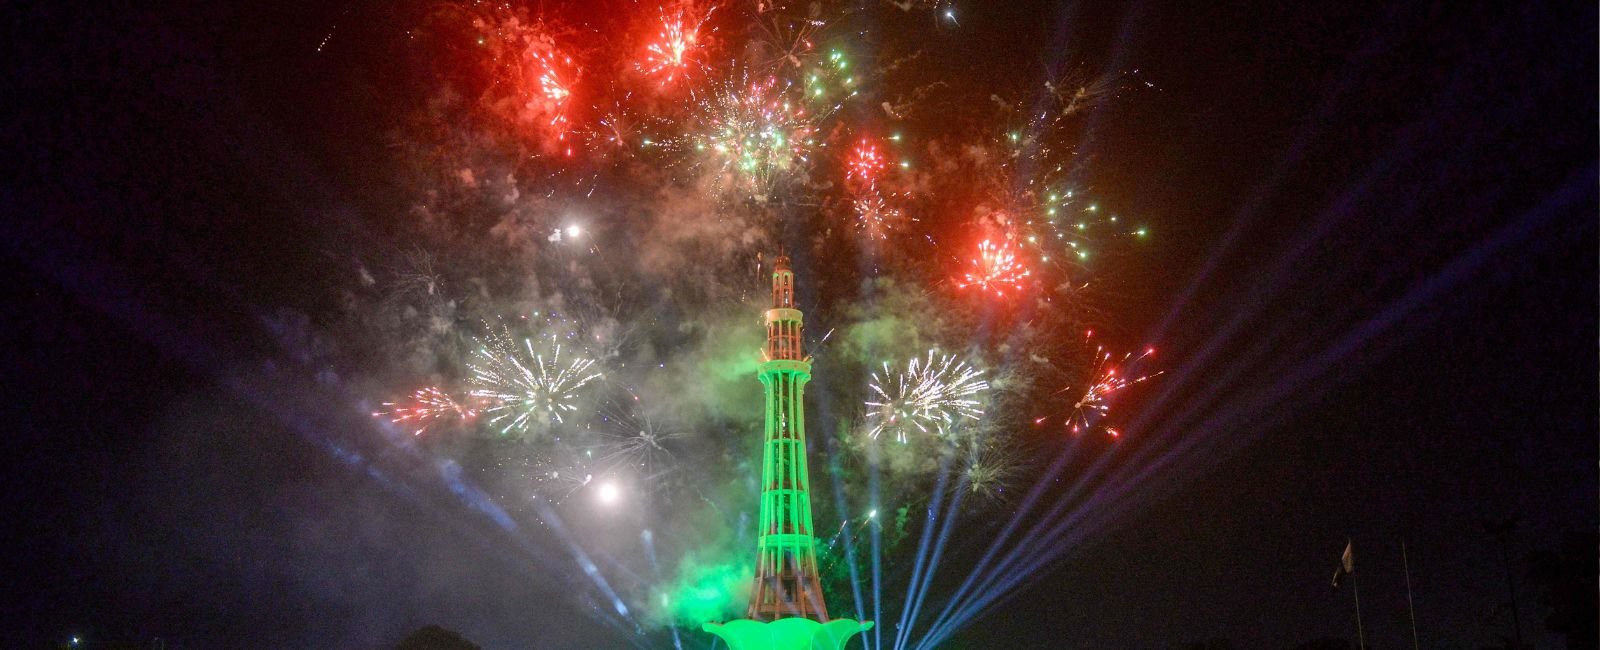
[(787, 633)]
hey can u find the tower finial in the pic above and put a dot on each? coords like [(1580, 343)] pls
[(783, 320)]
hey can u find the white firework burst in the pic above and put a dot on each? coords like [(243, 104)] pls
[(529, 386), (634, 439), (929, 396)]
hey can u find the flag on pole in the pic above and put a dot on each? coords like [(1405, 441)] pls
[(1347, 564)]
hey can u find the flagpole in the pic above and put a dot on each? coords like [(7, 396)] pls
[(1355, 587), (1409, 604), (1347, 567)]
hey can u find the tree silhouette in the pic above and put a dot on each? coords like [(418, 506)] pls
[(1326, 643), (1565, 577), (433, 637), (1211, 644)]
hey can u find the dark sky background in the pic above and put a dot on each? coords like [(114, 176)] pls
[(1378, 237)]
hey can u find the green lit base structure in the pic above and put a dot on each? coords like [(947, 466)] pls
[(788, 633)]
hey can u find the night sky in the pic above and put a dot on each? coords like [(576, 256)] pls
[(1372, 282)]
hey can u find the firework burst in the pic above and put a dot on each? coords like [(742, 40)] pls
[(996, 269), (1109, 375), (929, 396), (530, 77), (528, 388), (1037, 175), (1109, 378), (427, 407), (757, 132), (416, 278), (669, 56), (1066, 226), (788, 43), (988, 469), (874, 217), (614, 132), (634, 439), (864, 167), (552, 95)]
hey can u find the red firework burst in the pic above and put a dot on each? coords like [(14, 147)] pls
[(669, 54), (996, 269), (865, 164), (427, 407)]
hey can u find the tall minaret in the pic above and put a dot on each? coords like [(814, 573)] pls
[(786, 611), (786, 569)]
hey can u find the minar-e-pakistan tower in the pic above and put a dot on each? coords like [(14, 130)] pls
[(786, 610)]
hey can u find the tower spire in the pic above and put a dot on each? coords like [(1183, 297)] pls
[(786, 562)]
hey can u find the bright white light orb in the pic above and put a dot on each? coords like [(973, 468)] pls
[(608, 493)]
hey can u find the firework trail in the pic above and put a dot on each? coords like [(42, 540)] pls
[(553, 473)]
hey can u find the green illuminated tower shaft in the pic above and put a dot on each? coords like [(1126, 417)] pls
[(786, 569), (786, 610)]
